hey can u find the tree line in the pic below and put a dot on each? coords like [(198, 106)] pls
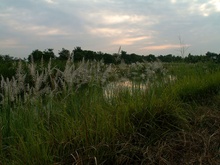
[(8, 64), (78, 54)]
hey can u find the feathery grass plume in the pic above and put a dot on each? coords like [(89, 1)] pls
[(83, 74), (42, 63), (50, 72), (32, 69), (20, 77), (38, 83), (136, 123), (72, 56), (6, 90), (49, 69), (13, 89), (118, 58), (136, 76), (106, 74), (87, 72), (2, 93), (41, 86)]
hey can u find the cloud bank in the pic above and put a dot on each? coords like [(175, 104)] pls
[(141, 26)]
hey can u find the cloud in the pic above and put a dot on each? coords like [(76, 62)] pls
[(105, 32), (166, 46), (114, 19), (10, 43), (130, 41), (33, 29), (173, 1), (161, 47), (107, 24), (51, 1), (206, 8)]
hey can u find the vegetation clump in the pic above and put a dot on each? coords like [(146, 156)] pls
[(97, 112)]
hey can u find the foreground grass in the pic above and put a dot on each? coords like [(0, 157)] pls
[(168, 123)]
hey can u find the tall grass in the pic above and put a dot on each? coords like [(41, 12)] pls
[(49, 116)]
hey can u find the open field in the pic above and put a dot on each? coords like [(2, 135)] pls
[(94, 113)]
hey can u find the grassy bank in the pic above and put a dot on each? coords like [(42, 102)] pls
[(64, 117)]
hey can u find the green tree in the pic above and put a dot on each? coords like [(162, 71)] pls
[(64, 54), (212, 56), (37, 55), (108, 59), (78, 54), (7, 67), (77, 49), (150, 58), (48, 54)]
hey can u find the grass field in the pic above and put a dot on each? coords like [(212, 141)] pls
[(92, 113)]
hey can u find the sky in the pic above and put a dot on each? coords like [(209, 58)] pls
[(143, 27)]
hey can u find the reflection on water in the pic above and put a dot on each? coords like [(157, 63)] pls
[(114, 88)]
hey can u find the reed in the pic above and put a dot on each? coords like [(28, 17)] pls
[(92, 113)]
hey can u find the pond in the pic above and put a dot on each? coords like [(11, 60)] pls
[(113, 88)]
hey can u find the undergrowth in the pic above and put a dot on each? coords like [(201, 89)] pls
[(152, 115)]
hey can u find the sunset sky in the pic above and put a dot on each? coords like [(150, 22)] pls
[(138, 26)]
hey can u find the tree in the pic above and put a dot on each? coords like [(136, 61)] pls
[(7, 67), (48, 54), (6, 58), (37, 55), (166, 58), (78, 54), (212, 56), (109, 59), (77, 49), (64, 54), (150, 58)]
